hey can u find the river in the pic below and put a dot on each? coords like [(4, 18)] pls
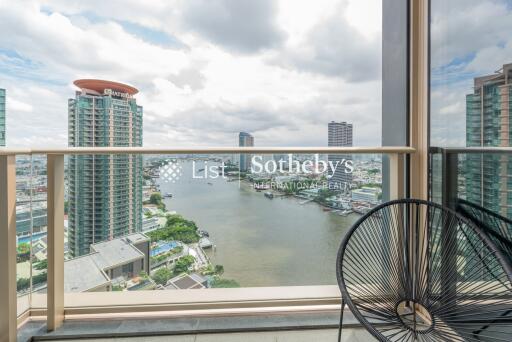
[(260, 241)]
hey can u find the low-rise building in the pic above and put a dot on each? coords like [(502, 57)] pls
[(125, 257), (187, 281), (366, 194)]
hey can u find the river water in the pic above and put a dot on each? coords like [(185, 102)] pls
[(260, 241)]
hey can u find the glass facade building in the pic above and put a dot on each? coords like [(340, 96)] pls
[(2, 117), (245, 140), (339, 135), (489, 176), (105, 191)]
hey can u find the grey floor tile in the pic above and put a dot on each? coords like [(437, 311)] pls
[(185, 338), (349, 335), (238, 337), (323, 335)]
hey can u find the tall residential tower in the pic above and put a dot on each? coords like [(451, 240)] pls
[(339, 135), (488, 124), (2, 117), (105, 191), (245, 140)]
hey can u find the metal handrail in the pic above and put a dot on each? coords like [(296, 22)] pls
[(463, 150), (207, 150)]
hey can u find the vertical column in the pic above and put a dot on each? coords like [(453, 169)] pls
[(396, 176), (419, 83), (395, 78), (8, 306), (55, 296)]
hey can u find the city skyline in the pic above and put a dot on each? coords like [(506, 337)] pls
[(105, 191)]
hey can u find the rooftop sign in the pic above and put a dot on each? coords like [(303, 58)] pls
[(116, 93)]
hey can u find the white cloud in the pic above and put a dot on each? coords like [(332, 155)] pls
[(218, 83), (18, 106), (335, 47)]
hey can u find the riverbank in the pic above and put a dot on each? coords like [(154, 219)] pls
[(261, 242)]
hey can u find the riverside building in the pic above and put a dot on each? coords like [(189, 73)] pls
[(339, 135), (105, 191), (488, 125)]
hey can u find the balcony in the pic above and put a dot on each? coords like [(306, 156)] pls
[(273, 284), (296, 293)]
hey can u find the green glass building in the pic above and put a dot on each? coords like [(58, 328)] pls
[(2, 117), (488, 124), (105, 191)]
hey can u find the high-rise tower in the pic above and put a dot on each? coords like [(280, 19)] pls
[(245, 140), (339, 135), (105, 191), (488, 124), (2, 117)]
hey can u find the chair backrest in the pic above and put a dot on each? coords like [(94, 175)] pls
[(497, 227), (417, 254)]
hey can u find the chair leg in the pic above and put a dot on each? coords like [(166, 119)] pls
[(340, 328)]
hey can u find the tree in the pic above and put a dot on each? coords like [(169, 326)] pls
[(41, 265), (219, 269), (156, 199), (224, 283), (176, 228), (183, 264), (162, 275), (22, 283)]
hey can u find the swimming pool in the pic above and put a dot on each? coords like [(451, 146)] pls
[(163, 247), (34, 237)]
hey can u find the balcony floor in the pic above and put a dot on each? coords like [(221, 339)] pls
[(314, 326), (352, 335)]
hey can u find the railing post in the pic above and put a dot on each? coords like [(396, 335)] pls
[(396, 176), (55, 295), (8, 306), (450, 174)]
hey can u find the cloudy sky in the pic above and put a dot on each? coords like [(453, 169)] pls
[(470, 38), (206, 69)]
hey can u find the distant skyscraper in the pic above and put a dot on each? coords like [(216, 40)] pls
[(2, 117), (105, 191), (247, 140), (340, 135), (488, 123)]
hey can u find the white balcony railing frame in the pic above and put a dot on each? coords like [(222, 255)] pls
[(56, 304)]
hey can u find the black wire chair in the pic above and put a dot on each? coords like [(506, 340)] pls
[(498, 228), (411, 270)]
